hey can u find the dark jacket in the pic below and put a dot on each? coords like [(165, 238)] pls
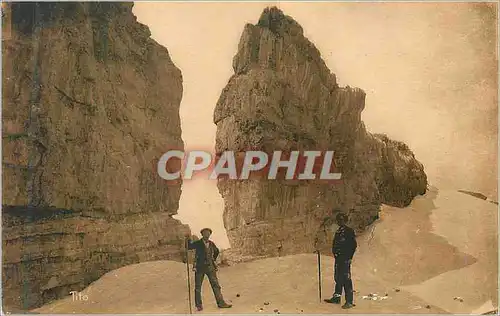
[(200, 253), (344, 243)]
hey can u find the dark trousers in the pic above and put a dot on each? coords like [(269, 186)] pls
[(199, 276), (343, 280)]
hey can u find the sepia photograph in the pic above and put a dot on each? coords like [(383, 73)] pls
[(250, 157)]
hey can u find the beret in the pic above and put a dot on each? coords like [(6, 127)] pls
[(201, 231)]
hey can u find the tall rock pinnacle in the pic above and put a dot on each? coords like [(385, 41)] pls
[(282, 96)]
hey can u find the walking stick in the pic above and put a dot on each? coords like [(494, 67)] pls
[(188, 278), (319, 274)]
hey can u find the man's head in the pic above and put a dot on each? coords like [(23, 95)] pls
[(341, 219), (205, 233)]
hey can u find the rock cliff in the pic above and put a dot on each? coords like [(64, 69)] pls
[(282, 96), (90, 102)]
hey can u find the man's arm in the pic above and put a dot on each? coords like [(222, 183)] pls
[(216, 252), (352, 243), (190, 244), (335, 250)]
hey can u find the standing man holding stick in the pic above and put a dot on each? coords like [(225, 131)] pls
[(343, 249), (206, 254)]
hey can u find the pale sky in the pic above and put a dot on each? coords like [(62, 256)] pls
[(429, 71)]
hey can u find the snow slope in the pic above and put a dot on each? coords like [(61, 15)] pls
[(443, 246)]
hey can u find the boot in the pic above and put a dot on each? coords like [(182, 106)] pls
[(199, 308), (224, 305), (348, 305), (333, 300)]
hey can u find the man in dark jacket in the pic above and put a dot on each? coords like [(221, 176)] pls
[(206, 254), (343, 249)]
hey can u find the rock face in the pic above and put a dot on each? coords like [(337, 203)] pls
[(282, 96), (90, 102)]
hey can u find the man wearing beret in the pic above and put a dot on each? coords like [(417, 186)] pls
[(343, 249), (206, 253)]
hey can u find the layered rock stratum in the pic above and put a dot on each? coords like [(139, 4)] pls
[(282, 96), (90, 102)]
